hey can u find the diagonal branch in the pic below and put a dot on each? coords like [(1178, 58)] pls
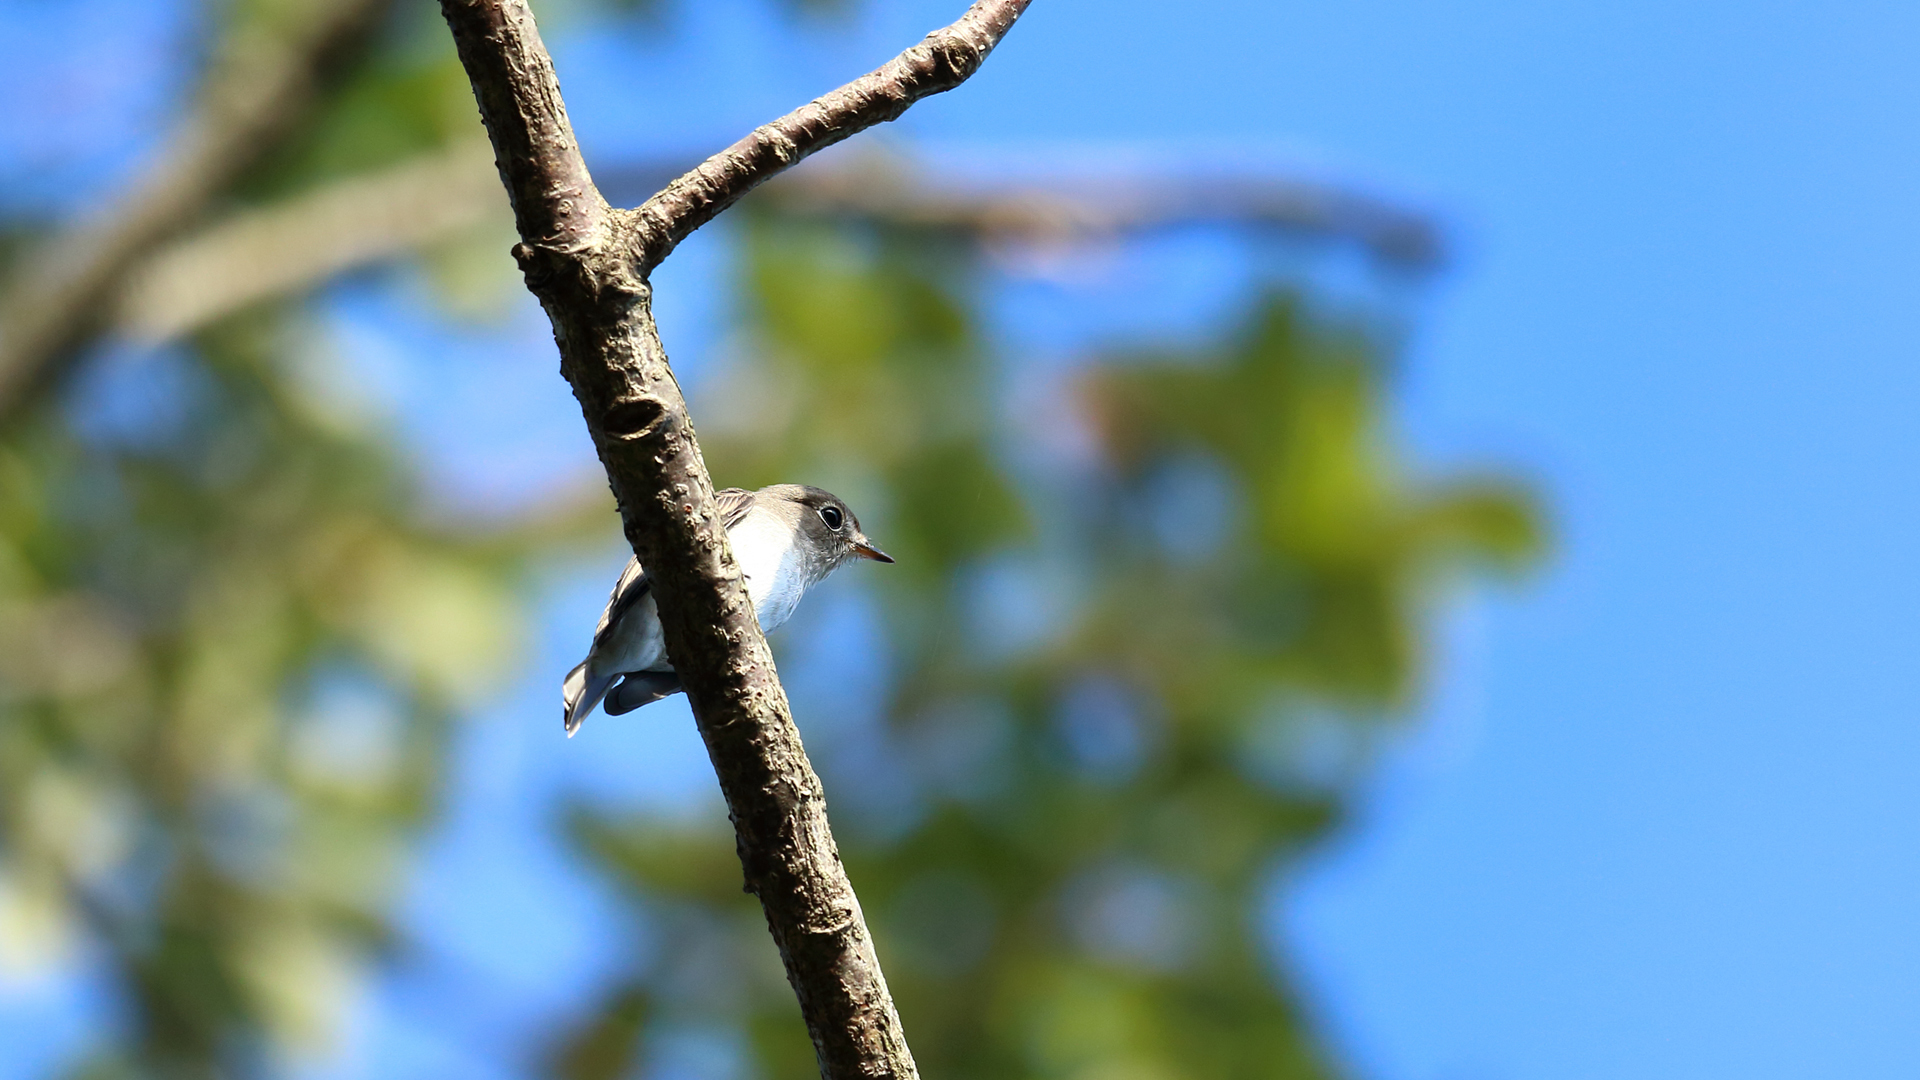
[(588, 265), (264, 82), (943, 60), (554, 201)]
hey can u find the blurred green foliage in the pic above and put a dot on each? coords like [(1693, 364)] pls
[(233, 632), (231, 645), (1065, 835), (1132, 652)]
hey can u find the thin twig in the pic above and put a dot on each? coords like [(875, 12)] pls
[(944, 60)]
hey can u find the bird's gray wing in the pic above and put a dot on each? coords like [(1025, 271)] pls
[(634, 584), (734, 504), (628, 591)]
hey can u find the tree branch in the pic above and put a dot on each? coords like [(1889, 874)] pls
[(264, 81), (588, 265), (555, 204), (1051, 205), (943, 60), (284, 248), (287, 247)]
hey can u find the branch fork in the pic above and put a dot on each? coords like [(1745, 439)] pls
[(589, 263)]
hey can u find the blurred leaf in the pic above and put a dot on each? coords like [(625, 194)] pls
[(608, 1046), (1062, 844), (238, 640)]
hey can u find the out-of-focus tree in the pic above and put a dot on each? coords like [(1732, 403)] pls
[(231, 646), (232, 627), (1123, 683), (1124, 690)]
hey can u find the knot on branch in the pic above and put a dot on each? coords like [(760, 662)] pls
[(633, 419), (539, 265), (830, 920), (604, 279), (942, 61), (951, 59)]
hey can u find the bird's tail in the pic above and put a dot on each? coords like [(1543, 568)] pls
[(579, 693)]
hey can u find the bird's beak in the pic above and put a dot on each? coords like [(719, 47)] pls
[(864, 548)]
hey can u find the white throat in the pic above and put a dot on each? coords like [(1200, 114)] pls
[(770, 558)]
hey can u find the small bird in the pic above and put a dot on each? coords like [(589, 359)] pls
[(786, 538)]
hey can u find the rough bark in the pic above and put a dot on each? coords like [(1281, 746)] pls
[(263, 82), (588, 264)]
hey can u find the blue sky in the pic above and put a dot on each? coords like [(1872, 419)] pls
[(1659, 817)]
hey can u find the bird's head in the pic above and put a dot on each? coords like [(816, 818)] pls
[(826, 526)]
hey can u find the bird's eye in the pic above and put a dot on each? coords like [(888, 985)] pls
[(830, 515)]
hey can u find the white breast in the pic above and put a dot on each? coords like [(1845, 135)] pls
[(763, 545), (769, 559)]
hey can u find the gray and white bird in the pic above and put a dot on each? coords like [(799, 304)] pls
[(786, 538)]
